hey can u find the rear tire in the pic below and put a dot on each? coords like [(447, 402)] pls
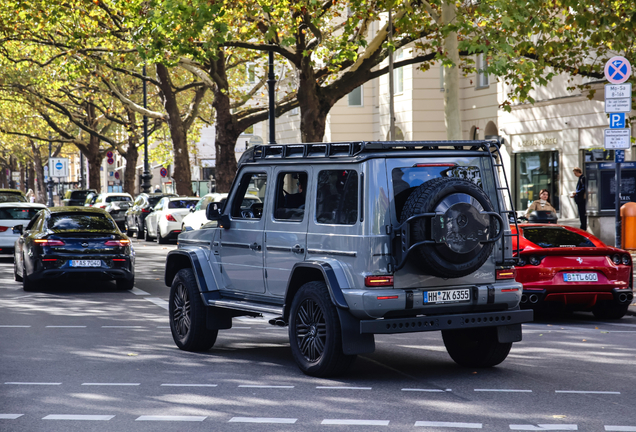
[(128, 231), (476, 347), (610, 310), (315, 334), (147, 234), (17, 277), (160, 238), (140, 232), (188, 315), (27, 282), (125, 284)]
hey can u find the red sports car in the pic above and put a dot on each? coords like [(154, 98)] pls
[(565, 267)]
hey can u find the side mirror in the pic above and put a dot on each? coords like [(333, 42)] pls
[(192, 209), (18, 229), (213, 211)]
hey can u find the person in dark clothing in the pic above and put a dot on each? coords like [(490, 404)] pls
[(297, 200), (580, 198)]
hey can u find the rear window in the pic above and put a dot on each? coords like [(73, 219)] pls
[(118, 198), (154, 200), (78, 195), (178, 204), (17, 213), (9, 197), (556, 237), (80, 222), (405, 180)]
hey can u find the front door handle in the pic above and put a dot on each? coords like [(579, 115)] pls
[(255, 246), (297, 249)]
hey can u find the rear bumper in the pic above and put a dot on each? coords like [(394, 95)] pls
[(445, 322), (584, 299), (84, 272)]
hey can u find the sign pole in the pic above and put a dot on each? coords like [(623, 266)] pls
[(618, 204)]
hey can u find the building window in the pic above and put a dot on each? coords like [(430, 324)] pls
[(355, 97), (398, 74), (441, 77), (536, 171), (482, 75)]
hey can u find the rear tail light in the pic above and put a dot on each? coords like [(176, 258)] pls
[(376, 281), (122, 242), (521, 262), (101, 206), (145, 210), (616, 259), (49, 259), (119, 259), (534, 260), (3, 228), (49, 242), (626, 259), (506, 273), (170, 218)]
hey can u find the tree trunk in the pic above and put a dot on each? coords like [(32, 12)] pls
[(31, 177), (40, 189), (312, 119), (130, 173), (181, 173), (94, 158), (452, 109)]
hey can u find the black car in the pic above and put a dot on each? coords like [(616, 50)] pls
[(73, 242), (76, 197), (142, 207)]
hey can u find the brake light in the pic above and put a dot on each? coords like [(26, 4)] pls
[(48, 242), (3, 228), (145, 210), (510, 273), (102, 206), (373, 281), (119, 259), (49, 259), (170, 218), (122, 242)]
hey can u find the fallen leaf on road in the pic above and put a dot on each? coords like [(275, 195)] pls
[(132, 354), (584, 340), (558, 416)]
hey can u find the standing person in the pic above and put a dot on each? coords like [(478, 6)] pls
[(30, 196), (580, 198)]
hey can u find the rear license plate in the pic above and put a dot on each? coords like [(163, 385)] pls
[(448, 296), (580, 277), (86, 263)]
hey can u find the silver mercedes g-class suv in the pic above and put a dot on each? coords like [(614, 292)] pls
[(348, 240)]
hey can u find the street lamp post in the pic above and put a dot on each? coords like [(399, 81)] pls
[(50, 182), (146, 176), (271, 81)]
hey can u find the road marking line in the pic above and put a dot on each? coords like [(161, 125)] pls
[(587, 392), (262, 420), (123, 327), (137, 291), (163, 327), (77, 417), (503, 390), (241, 328), (159, 302), (355, 422), (171, 418), (111, 384), (189, 385), (32, 383), (544, 427), (343, 388), (449, 424), (15, 326), (265, 386), (10, 416), (426, 390), (65, 327), (620, 428)]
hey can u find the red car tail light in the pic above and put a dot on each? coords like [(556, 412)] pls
[(506, 273), (101, 206), (170, 218), (616, 259), (375, 281), (626, 259), (534, 260), (49, 242), (119, 259), (145, 210), (122, 242), (49, 259), (3, 228)]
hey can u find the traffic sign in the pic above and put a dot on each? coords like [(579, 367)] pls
[(163, 172), (111, 161), (617, 120), (618, 70), (58, 167), (618, 98), (615, 139), (619, 156), (109, 154), (117, 175)]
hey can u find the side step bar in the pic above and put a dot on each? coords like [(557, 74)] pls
[(246, 306)]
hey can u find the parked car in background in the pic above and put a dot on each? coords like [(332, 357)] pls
[(116, 204), (12, 195), (77, 197), (73, 242), (12, 214), (565, 268), (197, 217), (164, 222), (90, 199), (135, 216)]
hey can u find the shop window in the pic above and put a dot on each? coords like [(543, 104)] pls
[(483, 80), (535, 171), (598, 155), (398, 74), (355, 97)]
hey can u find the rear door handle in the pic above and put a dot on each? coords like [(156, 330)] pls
[(297, 249), (255, 246)]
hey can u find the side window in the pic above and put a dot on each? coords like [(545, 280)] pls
[(33, 222), (138, 201), (98, 200), (337, 197), (159, 205), (291, 188), (248, 201)]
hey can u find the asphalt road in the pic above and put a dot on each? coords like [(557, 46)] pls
[(87, 357)]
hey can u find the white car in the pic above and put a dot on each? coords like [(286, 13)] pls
[(164, 222), (13, 214), (197, 218)]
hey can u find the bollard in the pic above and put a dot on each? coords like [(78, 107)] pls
[(628, 233)]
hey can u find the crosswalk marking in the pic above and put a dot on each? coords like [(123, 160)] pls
[(355, 422), (448, 424), (262, 420), (171, 418), (544, 427), (10, 416), (78, 417)]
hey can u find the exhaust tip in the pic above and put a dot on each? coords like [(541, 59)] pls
[(622, 298), (524, 298), (533, 298)]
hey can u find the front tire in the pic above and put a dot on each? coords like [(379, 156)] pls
[(476, 347), (188, 315), (314, 333)]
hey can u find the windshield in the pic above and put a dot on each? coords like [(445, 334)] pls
[(555, 237), (62, 222), (184, 203), (78, 195), (118, 198), (18, 213)]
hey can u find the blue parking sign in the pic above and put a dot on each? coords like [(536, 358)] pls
[(617, 120)]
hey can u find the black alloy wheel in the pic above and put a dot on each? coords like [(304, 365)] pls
[(27, 282), (140, 232), (188, 315), (311, 330)]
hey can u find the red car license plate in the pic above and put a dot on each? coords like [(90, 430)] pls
[(580, 277)]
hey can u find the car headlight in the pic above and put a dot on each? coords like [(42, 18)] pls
[(534, 260), (616, 259), (626, 259)]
